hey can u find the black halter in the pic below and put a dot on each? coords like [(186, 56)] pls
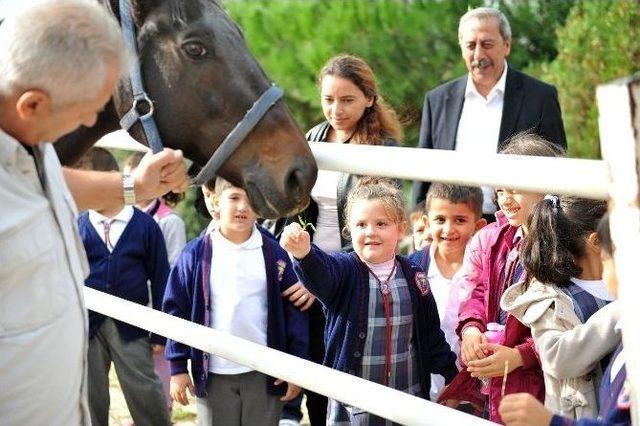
[(142, 109)]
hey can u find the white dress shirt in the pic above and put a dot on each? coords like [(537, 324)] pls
[(238, 294), (449, 295), (118, 224), (479, 126)]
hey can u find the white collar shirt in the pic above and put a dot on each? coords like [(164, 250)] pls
[(118, 223), (449, 295), (238, 283), (479, 126)]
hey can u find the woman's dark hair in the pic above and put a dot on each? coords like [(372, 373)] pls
[(557, 229), (604, 235), (379, 121)]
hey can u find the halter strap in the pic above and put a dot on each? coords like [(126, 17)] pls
[(142, 108), (238, 134)]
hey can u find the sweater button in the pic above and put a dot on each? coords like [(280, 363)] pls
[(357, 354), (362, 335)]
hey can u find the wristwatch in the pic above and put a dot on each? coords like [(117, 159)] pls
[(128, 189)]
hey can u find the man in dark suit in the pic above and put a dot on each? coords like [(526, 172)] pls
[(477, 113)]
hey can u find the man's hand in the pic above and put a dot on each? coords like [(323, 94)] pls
[(299, 296), (470, 347), (292, 390), (522, 409), (493, 365), (296, 240), (178, 388), (160, 173)]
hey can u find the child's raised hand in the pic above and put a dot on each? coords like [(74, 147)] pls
[(296, 240), (178, 388), (292, 390)]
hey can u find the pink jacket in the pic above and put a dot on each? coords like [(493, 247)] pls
[(484, 264)]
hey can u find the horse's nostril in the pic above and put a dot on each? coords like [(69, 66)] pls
[(295, 183)]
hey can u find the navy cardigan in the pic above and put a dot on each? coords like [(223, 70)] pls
[(188, 297), (140, 255), (341, 282)]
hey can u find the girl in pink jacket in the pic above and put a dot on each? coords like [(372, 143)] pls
[(492, 264)]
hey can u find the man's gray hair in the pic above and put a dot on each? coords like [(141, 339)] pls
[(62, 47), (483, 14)]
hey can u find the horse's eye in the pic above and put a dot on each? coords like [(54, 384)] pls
[(194, 49)]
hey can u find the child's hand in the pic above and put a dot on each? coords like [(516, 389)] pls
[(470, 347), (178, 388), (493, 365), (296, 240), (292, 390), (299, 296), (157, 349), (523, 409)]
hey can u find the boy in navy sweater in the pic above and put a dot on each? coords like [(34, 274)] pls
[(126, 253), (231, 279)]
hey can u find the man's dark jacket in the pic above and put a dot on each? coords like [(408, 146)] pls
[(529, 105)]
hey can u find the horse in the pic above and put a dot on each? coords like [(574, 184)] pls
[(201, 78)]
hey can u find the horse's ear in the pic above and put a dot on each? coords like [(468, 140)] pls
[(141, 9)]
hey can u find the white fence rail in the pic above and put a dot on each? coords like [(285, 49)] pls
[(372, 397)]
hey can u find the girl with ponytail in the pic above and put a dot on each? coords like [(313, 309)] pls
[(563, 289)]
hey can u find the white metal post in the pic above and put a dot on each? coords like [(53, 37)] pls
[(618, 104)]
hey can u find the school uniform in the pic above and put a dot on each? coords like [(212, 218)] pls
[(353, 305), (615, 398), (448, 294), (125, 253), (235, 288)]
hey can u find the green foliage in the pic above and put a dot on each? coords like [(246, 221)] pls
[(597, 44), (194, 222)]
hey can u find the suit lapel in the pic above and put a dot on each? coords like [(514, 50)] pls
[(513, 97), (453, 111)]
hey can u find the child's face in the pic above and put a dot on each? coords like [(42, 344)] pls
[(374, 234), (609, 275), (517, 205), (418, 229), (451, 225), (236, 216), (210, 200)]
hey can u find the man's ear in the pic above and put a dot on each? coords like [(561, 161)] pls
[(480, 223), (32, 104)]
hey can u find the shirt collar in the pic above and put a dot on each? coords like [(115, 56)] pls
[(470, 90), (124, 215), (10, 149), (518, 235), (254, 241)]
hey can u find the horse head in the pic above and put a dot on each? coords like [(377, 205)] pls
[(202, 79)]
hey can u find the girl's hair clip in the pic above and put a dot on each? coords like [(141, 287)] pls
[(554, 201)]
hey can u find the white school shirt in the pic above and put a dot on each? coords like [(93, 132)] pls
[(449, 295), (479, 126), (325, 194), (596, 288), (43, 320), (238, 294), (117, 227)]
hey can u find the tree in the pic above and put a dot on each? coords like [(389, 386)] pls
[(597, 44)]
